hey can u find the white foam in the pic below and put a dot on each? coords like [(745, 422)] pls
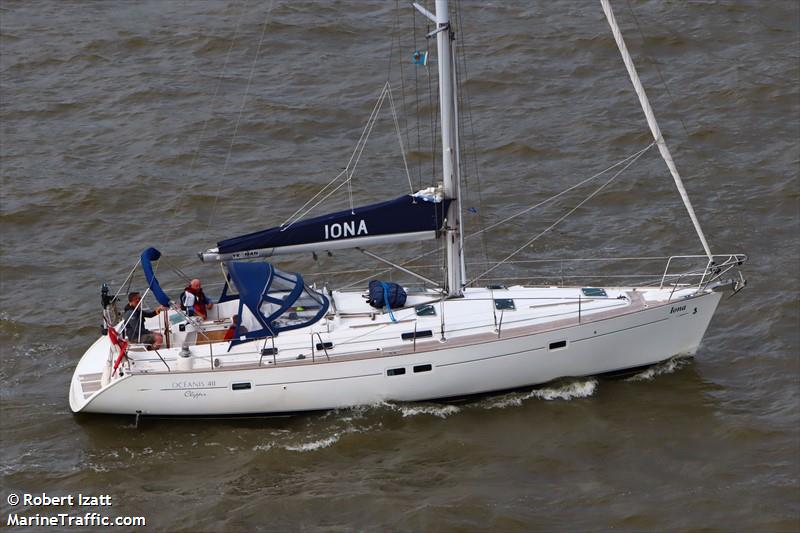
[(576, 389), (288, 440), (568, 391), (667, 367), (442, 411), (349, 414), (313, 445)]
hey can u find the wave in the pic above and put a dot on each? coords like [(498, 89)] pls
[(313, 445), (567, 391), (346, 421), (667, 367), (442, 411)]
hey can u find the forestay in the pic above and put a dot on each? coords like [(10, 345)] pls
[(651, 122)]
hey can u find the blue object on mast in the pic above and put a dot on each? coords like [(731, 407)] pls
[(420, 57)]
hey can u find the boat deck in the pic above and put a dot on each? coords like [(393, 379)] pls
[(357, 331)]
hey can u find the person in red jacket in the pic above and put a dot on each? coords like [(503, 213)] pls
[(194, 301), (232, 328)]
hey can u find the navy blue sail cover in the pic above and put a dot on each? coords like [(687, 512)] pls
[(279, 301), (407, 214)]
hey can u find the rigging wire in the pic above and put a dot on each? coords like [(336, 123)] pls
[(396, 32), (294, 217), (631, 159), (391, 99), (554, 224), (400, 139), (335, 178), (239, 117), (531, 208), (402, 75), (463, 88), (433, 108), (365, 136), (689, 145), (416, 102), (655, 64), (355, 157), (205, 122), (176, 269)]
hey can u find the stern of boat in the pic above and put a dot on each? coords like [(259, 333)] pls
[(92, 374)]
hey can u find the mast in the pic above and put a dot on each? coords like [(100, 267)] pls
[(450, 164), (452, 187)]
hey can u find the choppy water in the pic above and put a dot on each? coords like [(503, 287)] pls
[(117, 120)]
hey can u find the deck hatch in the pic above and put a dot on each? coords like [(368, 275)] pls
[(422, 368), (396, 371), (504, 304), (594, 292), (425, 310), (411, 335), (269, 351), (242, 386), (324, 346)]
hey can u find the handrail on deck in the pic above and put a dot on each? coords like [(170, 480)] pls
[(274, 351), (712, 269), (321, 344)]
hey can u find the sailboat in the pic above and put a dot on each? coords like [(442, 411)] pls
[(272, 343)]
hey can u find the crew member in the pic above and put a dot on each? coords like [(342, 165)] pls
[(194, 301), (134, 323)]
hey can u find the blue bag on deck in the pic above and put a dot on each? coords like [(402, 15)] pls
[(395, 294)]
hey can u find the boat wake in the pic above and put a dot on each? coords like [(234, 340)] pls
[(667, 367), (337, 424), (566, 391), (440, 410), (362, 419), (301, 446)]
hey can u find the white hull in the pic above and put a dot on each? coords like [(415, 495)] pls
[(458, 367)]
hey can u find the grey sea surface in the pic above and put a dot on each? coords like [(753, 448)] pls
[(179, 123)]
